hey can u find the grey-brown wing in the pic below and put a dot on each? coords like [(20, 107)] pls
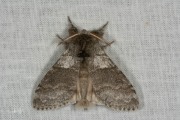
[(58, 87), (110, 85)]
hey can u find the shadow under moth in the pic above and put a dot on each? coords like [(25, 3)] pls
[(85, 76)]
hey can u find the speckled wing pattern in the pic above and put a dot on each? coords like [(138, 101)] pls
[(110, 85), (58, 87)]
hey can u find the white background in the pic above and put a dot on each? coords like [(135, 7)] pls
[(146, 48)]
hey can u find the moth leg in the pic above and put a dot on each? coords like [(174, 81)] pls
[(69, 20), (72, 30), (101, 39), (99, 32), (62, 40), (102, 28), (107, 44)]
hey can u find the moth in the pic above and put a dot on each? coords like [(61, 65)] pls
[(85, 76)]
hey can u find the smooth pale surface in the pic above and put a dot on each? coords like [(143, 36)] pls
[(146, 49)]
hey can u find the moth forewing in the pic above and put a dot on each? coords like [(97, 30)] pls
[(84, 75)]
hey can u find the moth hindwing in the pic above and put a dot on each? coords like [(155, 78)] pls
[(84, 75)]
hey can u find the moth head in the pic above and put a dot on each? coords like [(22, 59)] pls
[(74, 34), (84, 39), (97, 34), (73, 30)]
